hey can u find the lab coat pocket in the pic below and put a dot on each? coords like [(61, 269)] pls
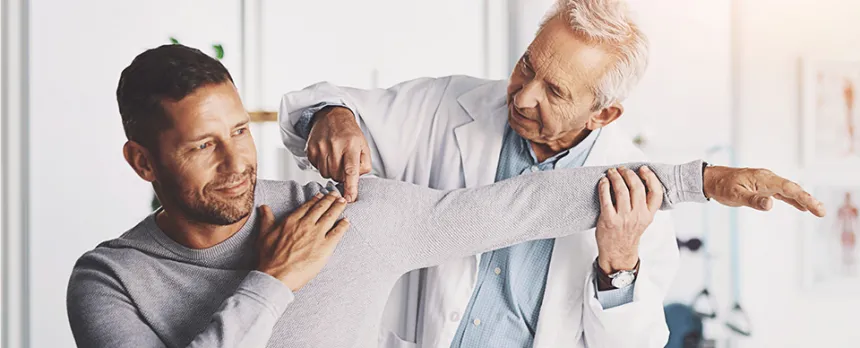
[(388, 339)]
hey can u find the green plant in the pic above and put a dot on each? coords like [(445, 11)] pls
[(217, 47)]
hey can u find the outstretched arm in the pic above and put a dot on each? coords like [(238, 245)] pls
[(415, 227)]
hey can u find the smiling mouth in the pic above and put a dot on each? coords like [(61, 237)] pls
[(234, 188)]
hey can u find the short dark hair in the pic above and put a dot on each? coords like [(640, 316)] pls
[(168, 72)]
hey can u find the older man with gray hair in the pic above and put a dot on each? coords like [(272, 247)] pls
[(601, 289)]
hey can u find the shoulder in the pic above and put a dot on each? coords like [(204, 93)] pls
[(101, 267), (283, 196)]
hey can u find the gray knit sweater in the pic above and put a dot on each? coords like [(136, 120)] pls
[(145, 290)]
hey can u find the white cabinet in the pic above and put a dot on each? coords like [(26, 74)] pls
[(82, 190)]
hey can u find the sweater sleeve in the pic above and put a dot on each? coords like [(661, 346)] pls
[(101, 314), (414, 227)]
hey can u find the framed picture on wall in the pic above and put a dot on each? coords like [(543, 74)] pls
[(831, 112), (831, 245)]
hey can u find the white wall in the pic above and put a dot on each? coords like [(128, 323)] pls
[(82, 190), (774, 35)]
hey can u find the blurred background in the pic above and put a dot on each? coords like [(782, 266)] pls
[(761, 83)]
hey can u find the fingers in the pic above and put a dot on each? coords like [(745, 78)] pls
[(267, 218), (366, 166), (792, 193), (634, 184), (756, 202), (655, 189), (790, 201), (303, 209), (322, 166), (622, 195), (334, 169), (321, 207), (267, 221), (331, 215), (803, 199), (336, 233), (314, 156), (605, 197), (351, 163)]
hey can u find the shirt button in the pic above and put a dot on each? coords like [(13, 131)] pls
[(455, 316), (477, 322), (535, 169), (497, 271)]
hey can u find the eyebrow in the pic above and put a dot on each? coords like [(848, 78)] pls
[(563, 89), (242, 123)]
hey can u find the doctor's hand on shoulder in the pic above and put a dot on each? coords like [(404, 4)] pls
[(338, 149)]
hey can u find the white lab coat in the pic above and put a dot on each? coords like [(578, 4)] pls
[(446, 133)]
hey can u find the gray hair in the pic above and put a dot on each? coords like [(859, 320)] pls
[(608, 23)]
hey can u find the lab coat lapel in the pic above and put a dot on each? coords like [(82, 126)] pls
[(560, 319), (480, 141)]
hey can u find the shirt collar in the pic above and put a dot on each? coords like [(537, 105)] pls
[(576, 154)]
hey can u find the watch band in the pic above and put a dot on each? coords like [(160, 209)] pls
[(705, 165), (604, 281)]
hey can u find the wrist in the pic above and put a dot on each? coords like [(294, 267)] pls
[(617, 279), (610, 264), (707, 178), (332, 112), (286, 279), (710, 180)]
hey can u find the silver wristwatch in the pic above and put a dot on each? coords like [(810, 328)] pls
[(623, 279), (617, 280)]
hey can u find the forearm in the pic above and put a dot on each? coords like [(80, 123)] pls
[(102, 315), (247, 318), (429, 227), (390, 119)]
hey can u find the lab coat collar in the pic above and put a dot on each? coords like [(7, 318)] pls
[(480, 141)]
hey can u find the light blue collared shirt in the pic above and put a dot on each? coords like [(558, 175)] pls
[(505, 305)]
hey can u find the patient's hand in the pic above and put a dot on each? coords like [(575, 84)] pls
[(295, 250), (754, 188)]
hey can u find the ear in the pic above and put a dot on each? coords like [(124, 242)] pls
[(605, 116), (140, 159)]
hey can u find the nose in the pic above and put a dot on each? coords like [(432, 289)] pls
[(528, 96), (232, 162)]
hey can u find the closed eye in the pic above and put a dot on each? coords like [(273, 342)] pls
[(555, 90)]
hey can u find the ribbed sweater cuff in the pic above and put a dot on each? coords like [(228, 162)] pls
[(690, 176), (267, 290)]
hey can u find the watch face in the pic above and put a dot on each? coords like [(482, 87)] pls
[(623, 280)]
